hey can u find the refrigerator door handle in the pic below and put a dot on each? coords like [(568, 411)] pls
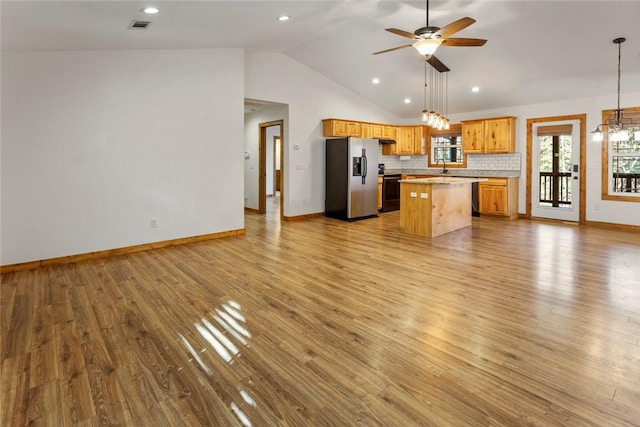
[(365, 165)]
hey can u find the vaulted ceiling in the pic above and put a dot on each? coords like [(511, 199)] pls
[(537, 51)]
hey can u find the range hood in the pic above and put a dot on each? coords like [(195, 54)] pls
[(386, 141)]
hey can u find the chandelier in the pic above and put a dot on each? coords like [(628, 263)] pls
[(438, 99), (617, 126)]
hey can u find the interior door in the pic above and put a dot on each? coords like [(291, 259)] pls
[(555, 170)]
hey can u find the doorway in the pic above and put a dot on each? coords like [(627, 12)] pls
[(271, 167), (555, 168)]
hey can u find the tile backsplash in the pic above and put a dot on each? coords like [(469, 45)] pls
[(474, 161), (505, 162)]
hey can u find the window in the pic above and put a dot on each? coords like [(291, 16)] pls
[(621, 163), (447, 145)]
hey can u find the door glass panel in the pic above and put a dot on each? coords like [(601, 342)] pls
[(555, 164)]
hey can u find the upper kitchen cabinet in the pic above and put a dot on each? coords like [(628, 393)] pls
[(409, 140), (404, 141), (372, 130), (496, 135), (420, 137), (335, 127)]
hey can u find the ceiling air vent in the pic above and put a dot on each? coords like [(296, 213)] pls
[(139, 25)]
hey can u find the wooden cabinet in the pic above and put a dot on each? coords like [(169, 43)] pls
[(492, 136), (380, 192), (335, 127), (390, 132), (372, 130), (405, 140), (420, 135), (499, 196), (473, 137), (377, 131), (354, 129), (409, 141)]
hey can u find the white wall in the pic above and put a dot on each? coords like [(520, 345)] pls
[(596, 209), (96, 144), (311, 97)]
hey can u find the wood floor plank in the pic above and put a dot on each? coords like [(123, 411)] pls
[(325, 322)]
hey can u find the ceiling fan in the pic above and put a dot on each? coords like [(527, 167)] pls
[(427, 39)]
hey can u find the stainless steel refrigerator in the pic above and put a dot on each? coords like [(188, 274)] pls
[(351, 179)]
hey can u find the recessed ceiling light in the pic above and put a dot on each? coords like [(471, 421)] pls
[(151, 10), (407, 101), (475, 89), (283, 18), (375, 80)]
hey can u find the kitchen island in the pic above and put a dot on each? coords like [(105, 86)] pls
[(431, 207)]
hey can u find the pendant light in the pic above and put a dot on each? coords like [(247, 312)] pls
[(618, 127), (435, 116)]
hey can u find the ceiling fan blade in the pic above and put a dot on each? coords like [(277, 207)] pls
[(391, 50), (437, 64), (401, 33), (455, 26), (463, 42)]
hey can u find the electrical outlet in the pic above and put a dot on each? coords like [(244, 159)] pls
[(154, 223)]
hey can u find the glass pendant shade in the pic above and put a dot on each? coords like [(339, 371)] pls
[(425, 115), (427, 46), (619, 135), (597, 135)]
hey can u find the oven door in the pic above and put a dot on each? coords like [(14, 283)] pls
[(391, 193)]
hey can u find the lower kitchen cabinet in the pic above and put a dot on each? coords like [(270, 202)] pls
[(499, 196)]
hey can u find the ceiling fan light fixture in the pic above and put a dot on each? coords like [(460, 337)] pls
[(427, 47)]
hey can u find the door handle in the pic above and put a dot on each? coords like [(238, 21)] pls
[(365, 165)]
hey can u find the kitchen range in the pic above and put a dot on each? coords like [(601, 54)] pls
[(390, 191)]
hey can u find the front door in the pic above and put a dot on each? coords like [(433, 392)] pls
[(555, 171)]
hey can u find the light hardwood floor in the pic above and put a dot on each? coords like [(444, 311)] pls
[(328, 323)]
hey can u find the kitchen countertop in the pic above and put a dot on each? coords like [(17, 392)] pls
[(443, 180), (457, 172)]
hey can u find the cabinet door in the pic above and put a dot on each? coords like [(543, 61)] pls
[(367, 130), (473, 136), (378, 131), (405, 140), (353, 129), (390, 132), (380, 192), (390, 149), (419, 140), (499, 135), (493, 197), (334, 128)]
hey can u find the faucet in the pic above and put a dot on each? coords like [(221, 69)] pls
[(444, 165)]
